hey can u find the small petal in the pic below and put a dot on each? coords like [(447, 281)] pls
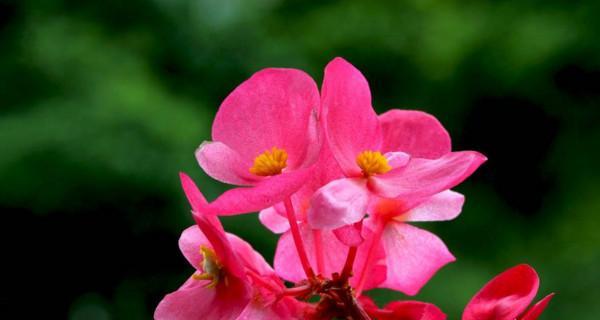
[(534, 312), (417, 133), (351, 124), (423, 177), (350, 235), (263, 195), (271, 109), (338, 203), (224, 164), (413, 256), (412, 310), (273, 220), (443, 206), (505, 297)]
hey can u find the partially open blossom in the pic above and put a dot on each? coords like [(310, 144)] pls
[(232, 281), (265, 136), (400, 154), (507, 296)]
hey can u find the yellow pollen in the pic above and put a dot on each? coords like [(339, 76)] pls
[(270, 162), (211, 266), (372, 162)]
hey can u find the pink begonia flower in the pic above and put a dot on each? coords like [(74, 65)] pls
[(507, 296), (399, 154), (402, 310), (265, 138), (232, 280)]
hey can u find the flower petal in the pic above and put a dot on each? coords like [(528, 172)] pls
[(263, 195), (274, 221), (417, 133), (350, 235), (534, 312), (271, 109), (224, 164), (423, 177), (411, 310), (189, 243), (340, 202), (351, 124), (443, 206), (413, 256), (287, 264), (505, 297), (194, 300)]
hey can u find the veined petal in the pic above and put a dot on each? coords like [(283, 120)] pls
[(271, 109), (340, 202), (423, 177), (413, 256), (415, 132), (263, 195), (224, 164), (443, 206), (534, 312), (505, 297), (351, 124)]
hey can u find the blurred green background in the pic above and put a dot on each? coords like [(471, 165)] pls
[(103, 102)]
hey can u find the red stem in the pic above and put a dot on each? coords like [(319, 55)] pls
[(347, 271), (289, 208), (318, 239)]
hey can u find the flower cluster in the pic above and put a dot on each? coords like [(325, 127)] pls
[(341, 185)]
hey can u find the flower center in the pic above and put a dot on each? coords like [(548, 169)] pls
[(372, 162), (211, 267), (270, 162)]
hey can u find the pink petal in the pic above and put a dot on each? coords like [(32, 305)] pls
[(249, 257), (423, 177), (534, 312), (263, 195), (504, 297), (287, 264), (196, 301), (338, 203), (224, 164), (351, 124), (284, 309), (350, 235), (370, 260), (271, 109), (417, 133), (413, 257), (443, 206), (274, 221), (397, 159), (412, 310)]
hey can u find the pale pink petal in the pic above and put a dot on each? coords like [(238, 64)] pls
[(194, 300), (423, 177), (249, 257), (338, 203), (351, 124), (287, 264), (397, 159), (443, 206), (505, 297), (189, 243), (274, 221), (534, 312), (409, 310), (413, 256), (271, 109), (222, 163), (415, 132), (263, 195)]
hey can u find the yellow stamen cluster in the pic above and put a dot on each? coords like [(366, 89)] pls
[(211, 267), (270, 162), (372, 162)]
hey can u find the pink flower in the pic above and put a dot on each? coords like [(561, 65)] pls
[(265, 138), (232, 281), (399, 154), (507, 296)]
